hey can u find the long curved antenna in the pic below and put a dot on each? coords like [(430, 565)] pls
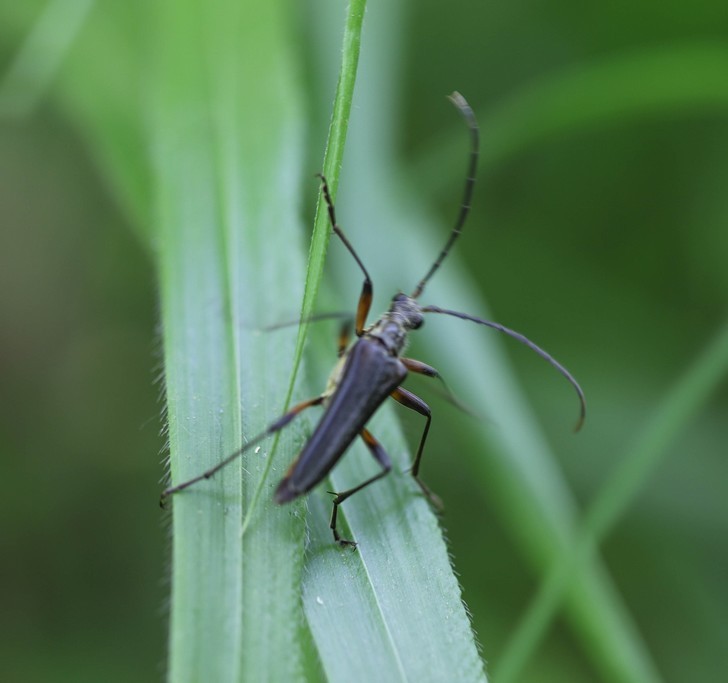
[(464, 108), (524, 340)]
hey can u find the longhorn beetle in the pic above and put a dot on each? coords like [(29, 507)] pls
[(373, 369)]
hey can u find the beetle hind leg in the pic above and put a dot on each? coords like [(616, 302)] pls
[(380, 455)]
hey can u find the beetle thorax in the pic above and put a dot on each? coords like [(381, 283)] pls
[(391, 329)]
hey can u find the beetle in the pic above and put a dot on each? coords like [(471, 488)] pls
[(372, 369)]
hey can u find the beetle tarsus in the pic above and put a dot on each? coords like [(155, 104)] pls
[(338, 500), (433, 498)]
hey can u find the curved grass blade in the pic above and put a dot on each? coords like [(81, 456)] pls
[(688, 395), (97, 57), (36, 63), (649, 82)]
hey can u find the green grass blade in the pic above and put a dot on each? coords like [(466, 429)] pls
[(617, 88), (687, 397), (37, 61), (100, 81), (394, 604), (228, 150), (333, 157)]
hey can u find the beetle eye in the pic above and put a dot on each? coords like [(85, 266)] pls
[(399, 297)]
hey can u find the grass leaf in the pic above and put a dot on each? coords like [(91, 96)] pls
[(681, 404), (651, 81), (228, 149)]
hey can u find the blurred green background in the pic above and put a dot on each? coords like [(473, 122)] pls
[(599, 229)]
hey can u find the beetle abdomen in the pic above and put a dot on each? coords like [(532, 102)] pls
[(369, 376)]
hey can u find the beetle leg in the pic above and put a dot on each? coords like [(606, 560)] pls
[(272, 428), (413, 402), (380, 455), (344, 337), (365, 298), (344, 330), (419, 367), (316, 317), (362, 309)]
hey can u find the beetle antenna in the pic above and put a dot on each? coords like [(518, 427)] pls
[(464, 108), (524, 340)]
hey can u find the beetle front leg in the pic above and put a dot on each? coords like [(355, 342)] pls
[(365, 298), (274, 427)]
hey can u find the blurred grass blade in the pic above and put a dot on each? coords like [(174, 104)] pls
[(648, 82), (687, 397), (103, 89), (512, 462), (39, 58), (227, 138)]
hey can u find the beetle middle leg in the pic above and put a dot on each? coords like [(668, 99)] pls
[(380, 455), (414, 402)]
